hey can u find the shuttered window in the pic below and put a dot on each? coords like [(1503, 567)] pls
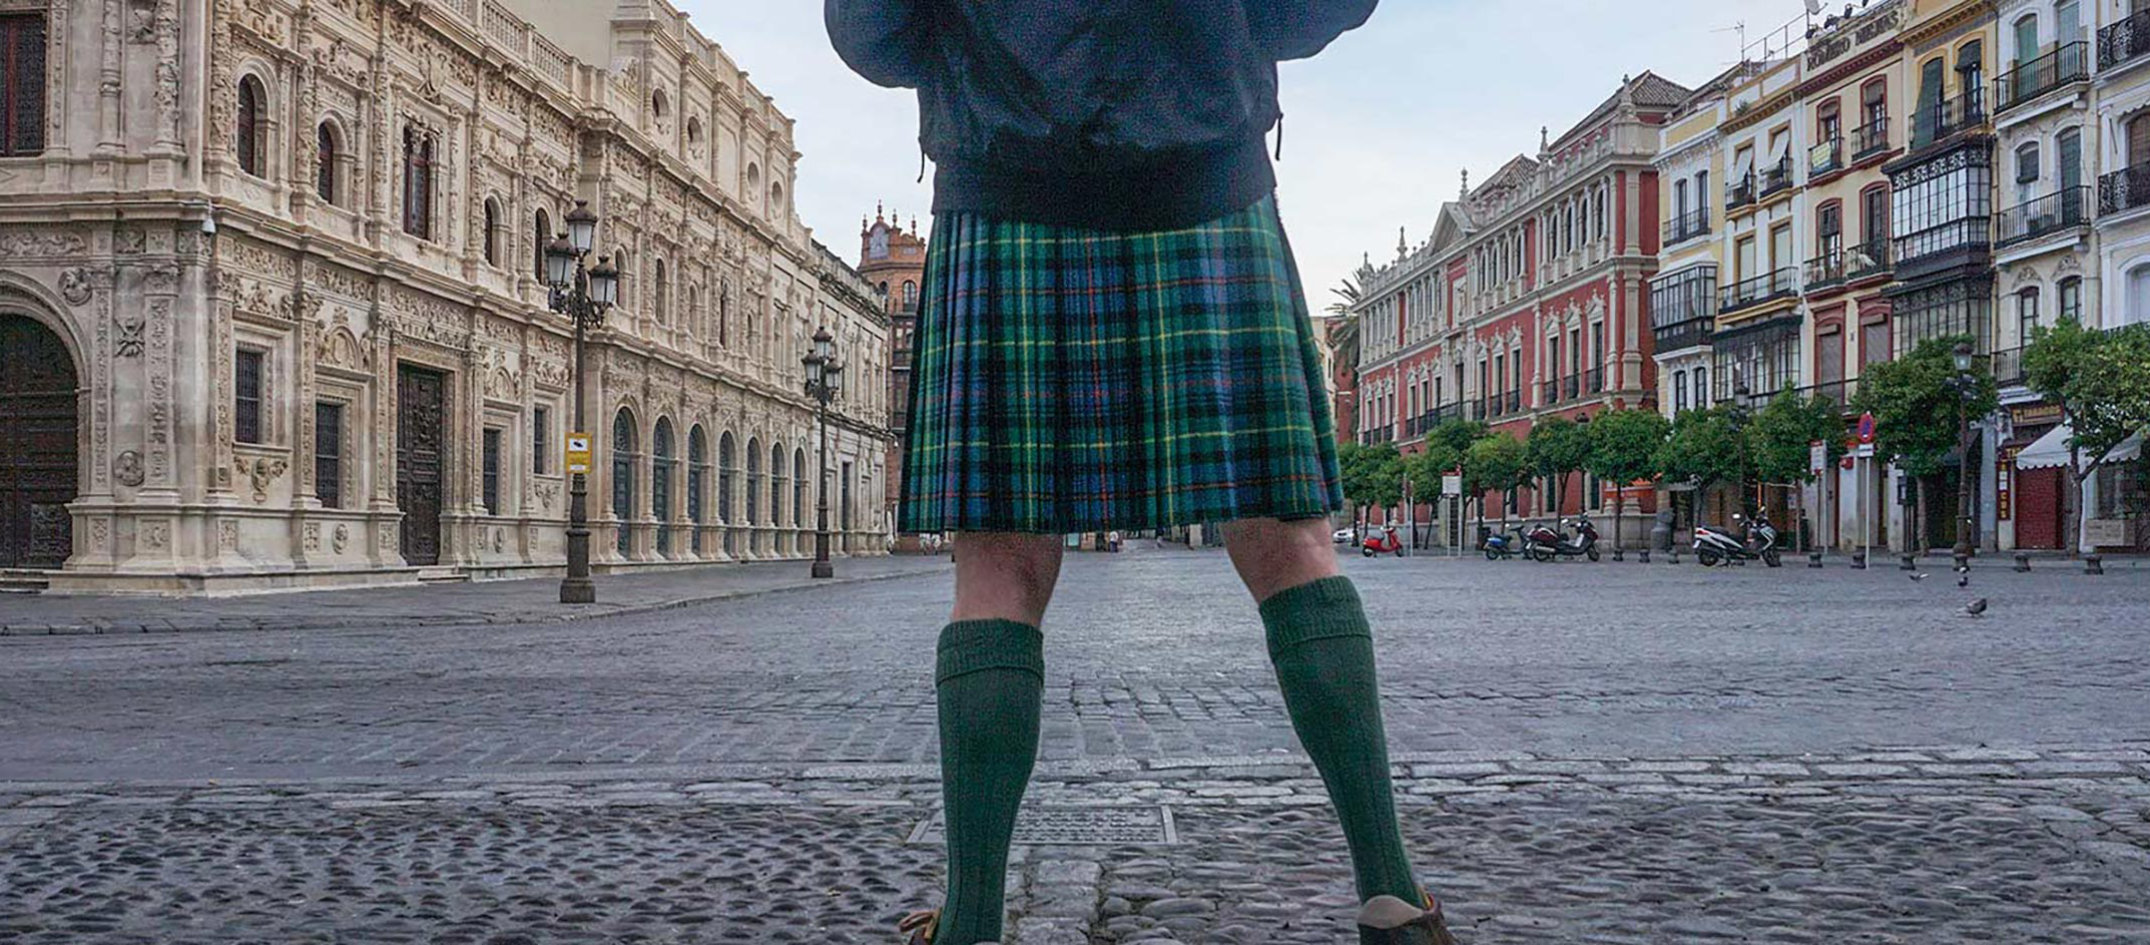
[(22, 84)]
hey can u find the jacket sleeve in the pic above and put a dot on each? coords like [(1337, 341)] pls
[(883, 40), (1297, 29)]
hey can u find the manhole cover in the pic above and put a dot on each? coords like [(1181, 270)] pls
[(1073, 826)]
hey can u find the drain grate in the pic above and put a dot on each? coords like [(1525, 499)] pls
[(1073, 826)]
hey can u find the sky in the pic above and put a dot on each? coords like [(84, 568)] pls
[(1377, 128)]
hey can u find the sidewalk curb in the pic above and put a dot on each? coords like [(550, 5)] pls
[(216, 624)]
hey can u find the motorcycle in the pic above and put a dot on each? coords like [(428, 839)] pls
[(1545, 544), (1501, 547), (1756, 541), (1383, 542)]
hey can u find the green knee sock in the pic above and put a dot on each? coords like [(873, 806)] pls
[(990, 677), (1324, 658)]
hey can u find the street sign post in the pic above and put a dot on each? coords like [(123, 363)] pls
[(578, 453)]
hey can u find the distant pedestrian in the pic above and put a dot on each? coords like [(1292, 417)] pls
[(1113, 334)]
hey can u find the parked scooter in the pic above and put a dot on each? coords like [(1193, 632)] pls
[(1501, 547), (1755, 541), (1383, 542), (1544, 544)]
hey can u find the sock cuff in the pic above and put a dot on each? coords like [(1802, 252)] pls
[(1316, 610), (969, 646)]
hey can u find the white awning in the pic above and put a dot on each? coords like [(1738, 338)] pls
[(2051, 450)]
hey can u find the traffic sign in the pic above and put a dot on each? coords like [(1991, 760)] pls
[(1866, 428), (578, 453)]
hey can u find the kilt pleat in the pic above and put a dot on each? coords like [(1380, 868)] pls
[(1070, 380)]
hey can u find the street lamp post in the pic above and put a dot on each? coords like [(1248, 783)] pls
[(1965, 389), (824, 376), (583, 294)]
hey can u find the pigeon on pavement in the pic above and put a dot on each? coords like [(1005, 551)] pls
[(1920, 577), (1977, 608)]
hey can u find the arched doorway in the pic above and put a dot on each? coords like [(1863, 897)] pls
[(37, 445), (660, 483)]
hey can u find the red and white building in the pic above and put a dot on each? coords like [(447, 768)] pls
[(1529, 299)]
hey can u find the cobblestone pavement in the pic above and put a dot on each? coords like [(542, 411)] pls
[(1618, 753)]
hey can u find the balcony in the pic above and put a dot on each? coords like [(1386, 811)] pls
[(1501, 405), (1739, 193), (1687, 333), (1777, 178), (2067, 209), (1377, 436), (1687, 226), (1867, 259), (1781, 284), (1838, 392), (2008, 367), (1826, 270), (2067, 63), (2124, 42), (1825, 158), (1965, 241), (2121, 191), (1942, 119), (1870, 139)]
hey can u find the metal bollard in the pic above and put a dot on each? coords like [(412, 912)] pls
[(2092, 564), (1910, 562), (1858, 560), (1814, 559), (1643, 556), (2023, 563)]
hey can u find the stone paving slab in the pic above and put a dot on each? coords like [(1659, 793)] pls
[(521, 601), (2011, 858)]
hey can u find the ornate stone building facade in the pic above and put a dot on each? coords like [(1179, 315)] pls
[(277, 265), (893, 259)]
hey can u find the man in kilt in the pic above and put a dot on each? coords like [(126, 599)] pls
[(1113, 335)]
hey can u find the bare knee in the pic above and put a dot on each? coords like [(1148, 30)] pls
[(1005, 576), (1273, 555)]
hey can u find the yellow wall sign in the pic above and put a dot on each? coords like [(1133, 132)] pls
[(578, 453)]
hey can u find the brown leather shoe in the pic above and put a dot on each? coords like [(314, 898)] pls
[(1387, 920), (919, 927)]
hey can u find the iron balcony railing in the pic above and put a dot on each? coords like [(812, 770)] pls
[(2067, 63), (1687, 333), (2125, 41), (1376, 435), (1783, 283), (1941, 119), (1870, 258), (2124, 190), (1870, 139), (1594, 380), (1966, 235), (1425, 423), (1827, 269), (1739, 193), (2066, 209), (2008, 367), (1501, 405), (1778, 177), (1825, 158), (1687, 226)]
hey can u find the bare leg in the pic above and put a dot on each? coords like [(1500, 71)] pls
[(1005, 576), (1273, 555)]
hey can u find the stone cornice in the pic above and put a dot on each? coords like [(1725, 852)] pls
[(1917, 38)]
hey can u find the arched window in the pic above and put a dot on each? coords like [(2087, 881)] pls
[(727, 485), (660, 308), (2070, 305), (540, 237), (910, 293), (657, 104), (660, 482), (798, 486), (253, 129), (753, 503), (325, 155), (417, 182), (776, 485), (624, 461), (2138, 301), (490, 239), (694, 132), (697, 480), (2026, 314)]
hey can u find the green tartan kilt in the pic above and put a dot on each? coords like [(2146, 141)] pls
[(1071, 380)]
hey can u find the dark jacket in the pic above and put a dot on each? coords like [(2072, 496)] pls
[(1116, 114)]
